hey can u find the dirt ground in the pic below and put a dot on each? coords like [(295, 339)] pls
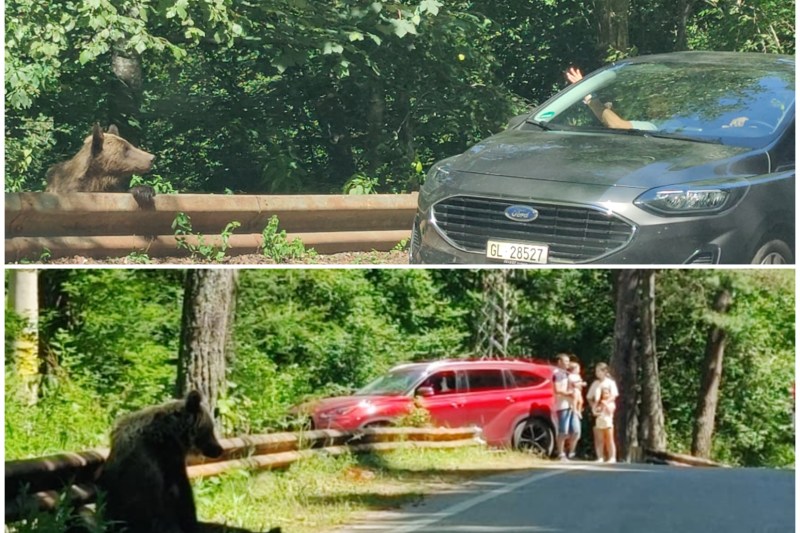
[(345, 258)]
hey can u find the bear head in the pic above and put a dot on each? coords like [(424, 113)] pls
[(111, 155), (199, 427)]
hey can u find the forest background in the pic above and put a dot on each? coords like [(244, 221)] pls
[(109, 343), (286, 96)]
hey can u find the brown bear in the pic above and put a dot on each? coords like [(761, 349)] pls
[(105, 163), (144, 479)]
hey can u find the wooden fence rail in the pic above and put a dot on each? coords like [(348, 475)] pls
[(113, 225), (40, 481)]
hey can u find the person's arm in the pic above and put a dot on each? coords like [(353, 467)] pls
[(604, 113), (614, 390)]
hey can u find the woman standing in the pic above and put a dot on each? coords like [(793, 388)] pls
[(602, 404)]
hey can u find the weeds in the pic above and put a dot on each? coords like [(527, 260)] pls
[(277, 247), (182, 226)]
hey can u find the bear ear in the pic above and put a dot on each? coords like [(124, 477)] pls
[(112, 129), (97, 139), (193, 401)]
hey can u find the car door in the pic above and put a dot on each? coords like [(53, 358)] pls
[(527, 394), (446, 403), (485, 399)]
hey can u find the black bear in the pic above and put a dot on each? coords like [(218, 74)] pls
[(105, 163), (144, 478)]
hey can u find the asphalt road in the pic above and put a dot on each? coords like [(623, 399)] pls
[(583, 497)]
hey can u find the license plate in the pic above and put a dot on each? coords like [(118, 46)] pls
[(517, 252)]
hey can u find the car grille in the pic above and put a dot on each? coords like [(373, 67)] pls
[(572, 233)]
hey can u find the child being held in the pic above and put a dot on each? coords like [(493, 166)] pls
[(575, 385)]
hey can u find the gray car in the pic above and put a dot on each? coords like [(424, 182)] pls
[(697, 166)]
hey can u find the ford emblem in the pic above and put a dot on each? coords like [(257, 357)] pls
[(521, 213)]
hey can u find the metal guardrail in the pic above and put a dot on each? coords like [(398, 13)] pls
[(40, 481), (113, 225)]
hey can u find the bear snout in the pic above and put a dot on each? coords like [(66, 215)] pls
[(212, 449)]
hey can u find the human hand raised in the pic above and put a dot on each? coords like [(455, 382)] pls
[(574, 75)]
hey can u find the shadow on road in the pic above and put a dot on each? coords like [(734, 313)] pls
[(210, 527)]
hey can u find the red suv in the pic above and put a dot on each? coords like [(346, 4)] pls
[(512, 401)]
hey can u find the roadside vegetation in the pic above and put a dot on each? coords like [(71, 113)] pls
[(325, 492)]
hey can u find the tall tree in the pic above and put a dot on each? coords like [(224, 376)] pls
[(209, 305), (706, 411), (624, 361), (25, 301), (652, 433)]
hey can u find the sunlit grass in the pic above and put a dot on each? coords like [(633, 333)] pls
[(325, 492)]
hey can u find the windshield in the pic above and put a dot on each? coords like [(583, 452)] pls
[(725, 102), (395, 383)]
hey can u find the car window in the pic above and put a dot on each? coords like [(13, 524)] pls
[(485, 379), (702, 100), (441, 383), (526, 379), (396, 382)]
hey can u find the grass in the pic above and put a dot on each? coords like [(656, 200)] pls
[(325, 492)]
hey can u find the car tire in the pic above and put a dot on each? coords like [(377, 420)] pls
[(775, 252), (534, 436)]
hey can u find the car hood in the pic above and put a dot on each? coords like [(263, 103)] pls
[(338, 402), (605, 159)]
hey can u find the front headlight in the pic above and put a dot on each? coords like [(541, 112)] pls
[(706, 198)]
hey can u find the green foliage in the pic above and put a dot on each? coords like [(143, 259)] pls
[(277, 247), (360, 184), (182, 225), (753, 423), (43, 429), (419, 417), (159, 184)]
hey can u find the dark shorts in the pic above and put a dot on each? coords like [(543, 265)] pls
[(568, 422)]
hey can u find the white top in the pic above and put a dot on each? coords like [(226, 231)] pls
[(642, 125), (561, 389), (593, 396)]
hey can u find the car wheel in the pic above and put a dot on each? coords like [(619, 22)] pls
[(774, 252), (534, 436)]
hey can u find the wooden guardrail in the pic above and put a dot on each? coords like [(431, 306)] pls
[(678, 459), (40, 481), (113, 224)]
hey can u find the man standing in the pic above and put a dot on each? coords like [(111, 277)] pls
[(568, 426)]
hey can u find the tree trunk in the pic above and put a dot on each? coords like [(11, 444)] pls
[(624, 362), (612, 26), (206, 332), (126, 90), (24, 291), (55, 302), (375, 124), (706, 411), (685, 8), (652, 433)]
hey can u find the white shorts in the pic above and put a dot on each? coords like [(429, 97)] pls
[(603, 422)]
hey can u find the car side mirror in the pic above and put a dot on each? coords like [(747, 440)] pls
[(425, 391)]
